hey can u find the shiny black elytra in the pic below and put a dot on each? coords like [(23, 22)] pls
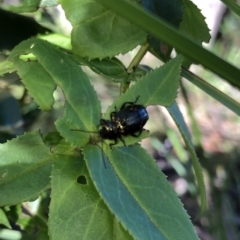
[(128, 121)]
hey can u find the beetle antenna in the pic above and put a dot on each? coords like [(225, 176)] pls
[(137, 99), (103, 159), (104, 163)]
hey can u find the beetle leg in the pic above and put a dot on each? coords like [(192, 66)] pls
[(122, 140), (102, 122), (130, 103), (138, 134), (112, 115), (136, 99), (126, 103), (112, 144)]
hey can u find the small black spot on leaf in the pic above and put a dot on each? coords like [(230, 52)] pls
[(82, 180)]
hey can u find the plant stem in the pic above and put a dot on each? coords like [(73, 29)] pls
[(138, 58), (134, 63)]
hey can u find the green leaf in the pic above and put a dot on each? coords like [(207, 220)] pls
[(193, 122), (170, 11), (212, 91), (98, 32), (25, 169), (57, 39), (110, 68), (194, 23), (52, 138), (233, 6), (179, 120), (48, 3), (27, 6), (3, 219), (76, 209), (175, 38), (21, 49), (6, 67), (37, 81), (138, 194), (159, 87), (82, 108), (65, 148), (42, 235)]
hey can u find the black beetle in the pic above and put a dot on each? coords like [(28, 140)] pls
[(128, 121)]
